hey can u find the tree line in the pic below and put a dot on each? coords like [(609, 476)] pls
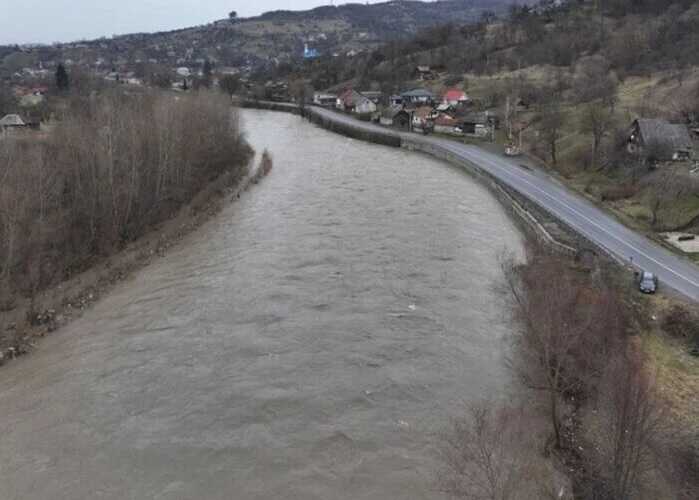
[(114, 165)]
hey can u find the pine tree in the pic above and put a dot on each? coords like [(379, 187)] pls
[(207, 71), (62, 80)]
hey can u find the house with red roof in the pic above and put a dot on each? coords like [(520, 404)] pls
[(454, 97)]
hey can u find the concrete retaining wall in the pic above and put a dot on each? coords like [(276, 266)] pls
[(285, 107), (510, 200), (387, 138)]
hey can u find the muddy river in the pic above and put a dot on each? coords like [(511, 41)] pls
[(308, 343)]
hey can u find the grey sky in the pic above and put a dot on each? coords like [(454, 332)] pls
[(46, 21)]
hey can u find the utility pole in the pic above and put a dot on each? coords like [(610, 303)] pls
[(508, 118)]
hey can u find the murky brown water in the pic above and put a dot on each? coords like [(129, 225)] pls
[(307, 343)]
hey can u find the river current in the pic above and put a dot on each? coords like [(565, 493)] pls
[(309, 342)]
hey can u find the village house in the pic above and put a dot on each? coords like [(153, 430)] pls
[(310, 53), (477, 124), (325, 100), (364, 105), (521, 105), (11, 121), (417, 97), (661, 139), (133, 81), (395, 116), (443, 107), (422, 119), (30, 96), (352, 101), (446, 124), (374, 95), (395, 100), (454, 97), (424, 73)]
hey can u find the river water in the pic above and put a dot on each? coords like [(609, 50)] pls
[(308, 343)]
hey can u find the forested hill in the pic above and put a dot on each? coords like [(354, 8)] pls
[(398, 17), (628, 37), (273, 37)]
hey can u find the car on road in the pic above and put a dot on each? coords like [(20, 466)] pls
[(647, 282)]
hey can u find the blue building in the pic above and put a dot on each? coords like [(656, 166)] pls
[(310, 53)]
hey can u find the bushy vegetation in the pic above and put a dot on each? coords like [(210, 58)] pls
[(8, 102), (114, 165), (576, 343)]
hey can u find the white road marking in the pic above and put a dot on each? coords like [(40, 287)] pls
[(493, 164)]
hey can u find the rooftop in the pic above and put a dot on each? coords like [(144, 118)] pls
[(664, 132)]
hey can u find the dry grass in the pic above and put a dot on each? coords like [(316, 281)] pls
[(659, 93), (677, 371), (678, 375)]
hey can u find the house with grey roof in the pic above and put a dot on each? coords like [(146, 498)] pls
[(374, 96), (395, 116), (417, 97), (662, 140), (11, 121), (424, 73)]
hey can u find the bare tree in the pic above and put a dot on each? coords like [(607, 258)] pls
[(230, 84), (482, 455), (595, 81), (552, 122), (8, 102), (13, 211), (567, 323), (663, 188), (598, 120), (634, 423), (301, 92)]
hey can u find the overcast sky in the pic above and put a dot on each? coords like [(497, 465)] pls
[(46, 21)]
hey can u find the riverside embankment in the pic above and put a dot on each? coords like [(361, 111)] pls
[(53, 308), (592, 226)]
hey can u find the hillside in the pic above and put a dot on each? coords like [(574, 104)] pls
[(583, 72), (271, 38)]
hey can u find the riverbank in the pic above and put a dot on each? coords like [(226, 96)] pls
[(59, 305)]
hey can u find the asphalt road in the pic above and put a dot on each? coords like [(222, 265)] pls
[(574, 210)]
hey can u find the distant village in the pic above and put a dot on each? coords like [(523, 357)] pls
[(418, 110), (451, 112)]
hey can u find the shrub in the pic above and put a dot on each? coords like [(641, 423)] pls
[(679, 322), (616, 193)]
